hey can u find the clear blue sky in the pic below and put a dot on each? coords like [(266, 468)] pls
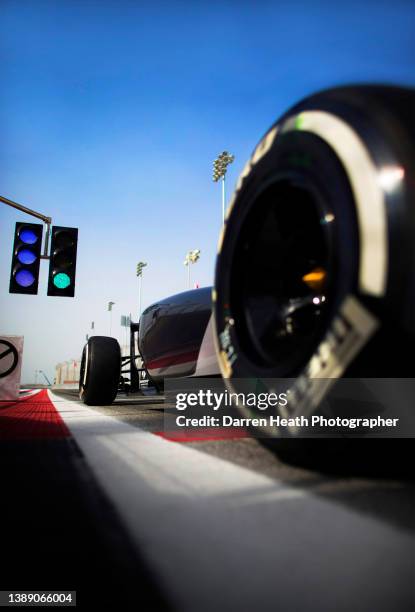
[(111, 114)]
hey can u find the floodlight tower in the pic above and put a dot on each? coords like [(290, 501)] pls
[(140, 266), (191, 258), (109, 309), (220, 166)]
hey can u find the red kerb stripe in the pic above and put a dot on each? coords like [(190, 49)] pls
[(31, 418)]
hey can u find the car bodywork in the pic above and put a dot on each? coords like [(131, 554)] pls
[(175, 336)]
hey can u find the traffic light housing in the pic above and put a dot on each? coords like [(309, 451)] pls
[(62, 265), (24, 275)]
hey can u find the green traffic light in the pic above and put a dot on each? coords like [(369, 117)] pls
[(61, 280)]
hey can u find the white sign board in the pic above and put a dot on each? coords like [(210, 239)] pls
[(11, 353)]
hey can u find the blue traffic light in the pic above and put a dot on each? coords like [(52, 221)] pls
[(24, 278), (24, 274), (25, 256), (28, 236)]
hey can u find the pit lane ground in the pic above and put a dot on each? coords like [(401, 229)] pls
[(205, 525)]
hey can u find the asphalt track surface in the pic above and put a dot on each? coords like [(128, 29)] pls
[(133, 520)]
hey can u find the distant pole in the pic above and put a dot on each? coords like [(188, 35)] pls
[(220, 166), (125, 323), (128, 336), (223, 200)]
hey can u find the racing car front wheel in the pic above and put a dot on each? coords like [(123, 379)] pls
[(316, 264), (100, 371)]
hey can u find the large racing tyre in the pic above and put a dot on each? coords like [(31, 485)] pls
[(315, 275), (100, 371)]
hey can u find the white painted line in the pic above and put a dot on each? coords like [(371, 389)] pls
[(31, 393), (23, 394), (214, 531)]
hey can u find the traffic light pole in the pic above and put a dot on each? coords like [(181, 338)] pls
[(33, 213)]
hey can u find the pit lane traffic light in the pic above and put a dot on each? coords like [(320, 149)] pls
[(62, 266), (24, 276)]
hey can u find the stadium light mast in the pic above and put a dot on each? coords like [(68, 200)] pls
[(140, 266), (110, 305), (191, 258), (220, 166)]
